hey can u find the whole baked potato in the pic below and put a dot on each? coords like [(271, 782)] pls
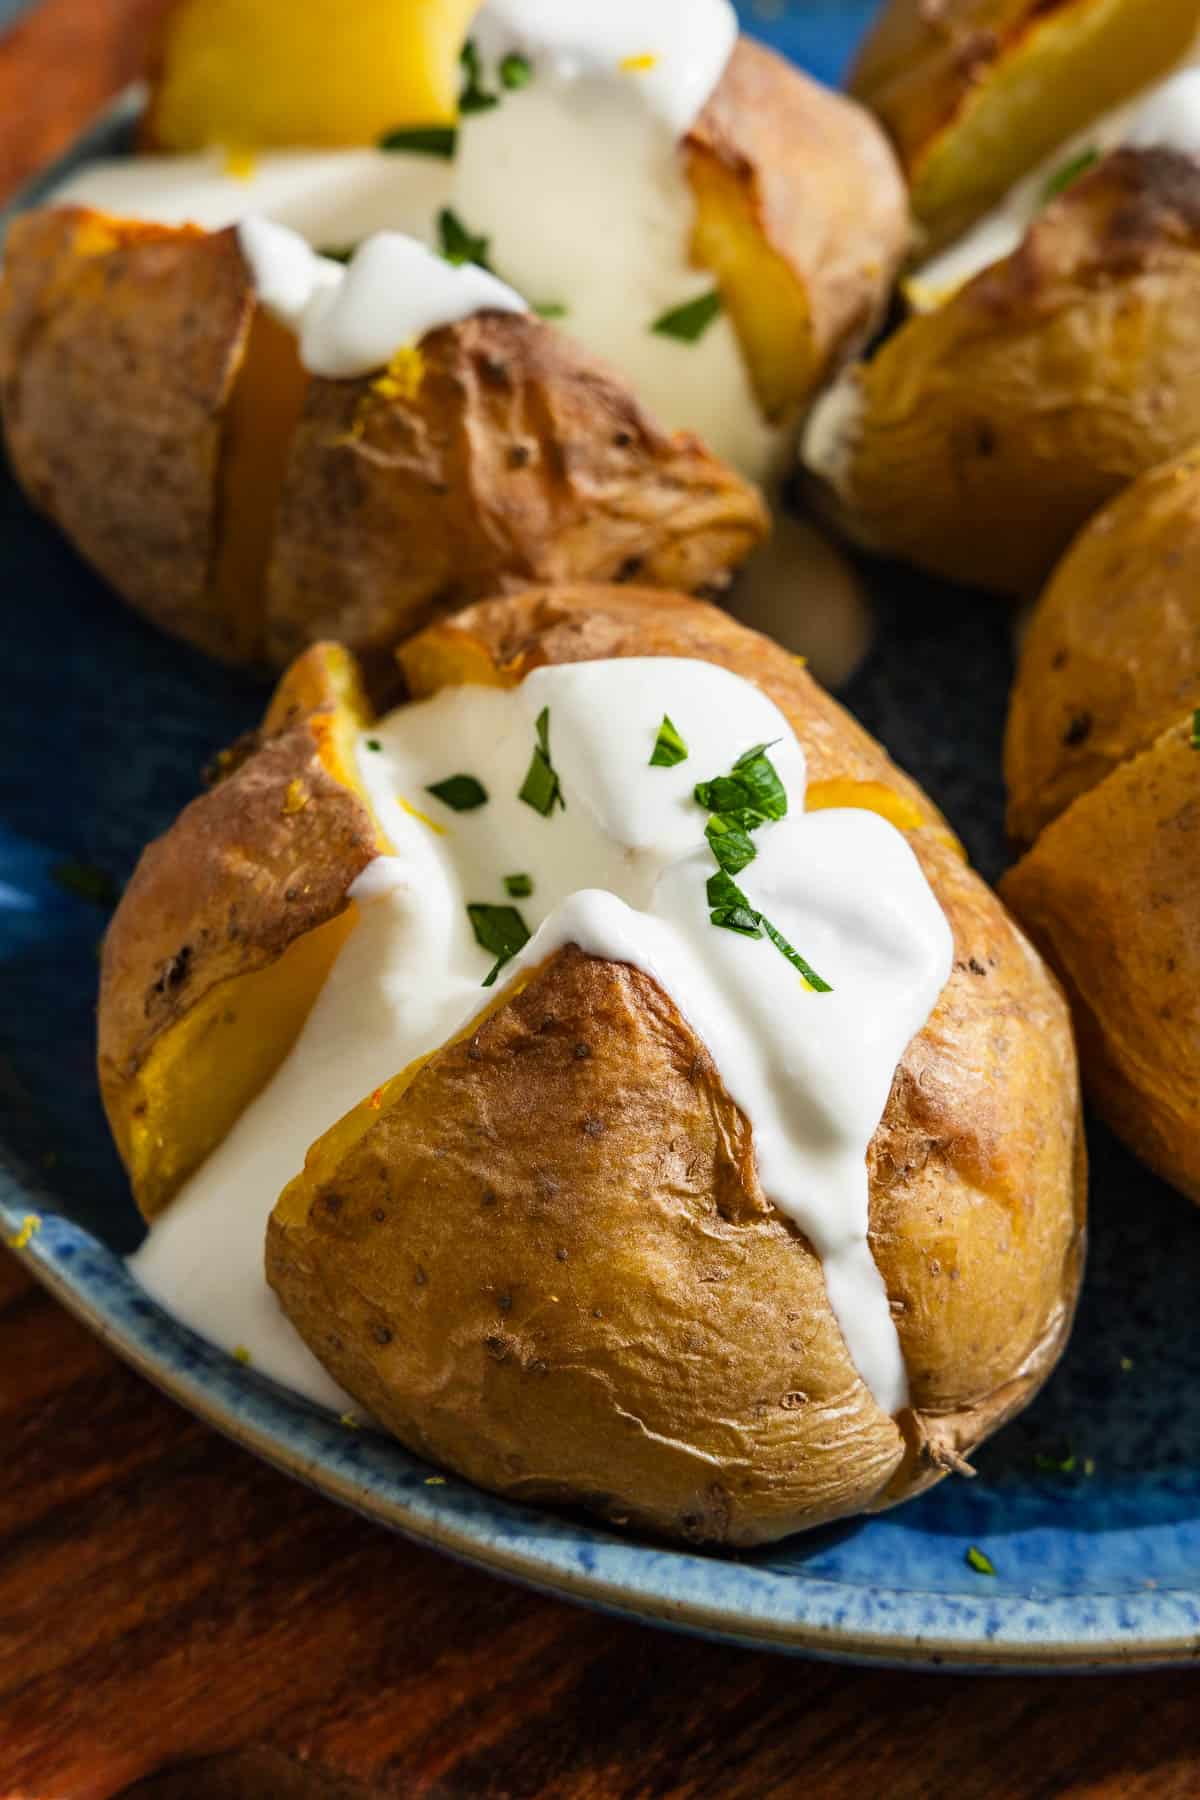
[(163, 419), (983, 434), (976, 92), (542, 1255), (1103, 768)]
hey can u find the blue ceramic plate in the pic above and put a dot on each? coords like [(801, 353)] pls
[(1089, 1507)]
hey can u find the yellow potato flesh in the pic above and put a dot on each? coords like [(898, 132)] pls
[(306, 72)]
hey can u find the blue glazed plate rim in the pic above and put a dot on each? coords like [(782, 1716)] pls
[(564, 1557), (738, 1601)]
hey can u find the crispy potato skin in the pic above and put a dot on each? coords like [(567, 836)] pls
[(976, 92), (1112, 656), (522, 458), (988, 431), (803, 212), (119, 348), (1110, 893), (257, 864), (543, 1256)]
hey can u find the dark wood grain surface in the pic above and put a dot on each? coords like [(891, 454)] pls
[(178, 1622)]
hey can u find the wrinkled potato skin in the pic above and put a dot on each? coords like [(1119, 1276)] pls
[(976, 92), (1112, 656), (544, 1257), (992, 428), (522, 459), (824, 219), (119, 348), (1110, 893), (259, 862)]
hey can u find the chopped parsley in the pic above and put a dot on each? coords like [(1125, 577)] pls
[(474, 97), (501, 931), (518, 887), (461, 793), (422, 140), (1196, 729), (689, 322), (458, 245), (1069, 174), (982, 1565), (339, 253), (541, 787), (516, 71), (669, 748), (87, 882), (738, 803), (550, 309), (374, 744)]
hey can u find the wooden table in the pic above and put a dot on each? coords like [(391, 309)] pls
[(178, 1622)]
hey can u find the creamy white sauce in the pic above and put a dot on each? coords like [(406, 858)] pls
[(1165, 115), (334, 198), (351, 319), (621, 872), (829, 441)]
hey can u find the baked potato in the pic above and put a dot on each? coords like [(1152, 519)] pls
[(982, 435), (977, 92), (1111, 659), (163, 419), (542, 1255), (1102, 762), (800, 208)]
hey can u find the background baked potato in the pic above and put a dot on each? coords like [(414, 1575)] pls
[(976, 92), (982, 435), (1103, 768), (637, 1329), (163, 420)]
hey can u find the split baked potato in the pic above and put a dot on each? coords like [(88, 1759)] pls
[(163, 420), (1103, 769), (982, 435), (976, 92), (801, 210), (614, 1315)]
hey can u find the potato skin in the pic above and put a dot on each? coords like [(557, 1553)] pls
[(522, 458), (119, 348), (1112, 655), (976, 92), (985, 433), (248, 870), (1110, 893), (544, 1258), (802, 212)]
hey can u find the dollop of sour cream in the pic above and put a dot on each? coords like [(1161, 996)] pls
[(1164, 116), (351, 319), (622, 872)]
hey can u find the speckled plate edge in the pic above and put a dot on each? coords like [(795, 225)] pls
[(796, 1613)]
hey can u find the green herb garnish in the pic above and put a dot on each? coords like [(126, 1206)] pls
[(422, 140), (374, 744), (541, 787), (458, 245), (689, 322), (518, 887), (669, 748), (751, 784), (550, 309), (730, 908), (87, 882), (1069, 174), (729, 841), (474, 97), (501, 931), (339, 254), (462, 793), (1196, 729), (810, 975), (516, 71), (982, 1565), (1055, 1465)]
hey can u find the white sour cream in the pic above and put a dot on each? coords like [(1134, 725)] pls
[(621, 872), (351, 319), (1163, 116)]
